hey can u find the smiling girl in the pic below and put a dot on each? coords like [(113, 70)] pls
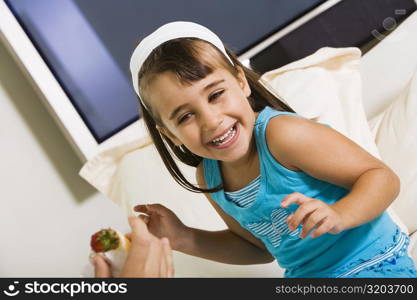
[(288, 188)]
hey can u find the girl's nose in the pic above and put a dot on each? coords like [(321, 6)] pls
[(211, 120)]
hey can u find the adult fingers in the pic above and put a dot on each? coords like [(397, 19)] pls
[(163, 261), (154, 259), (140, 231), (144, 218), (101, 267), (167, 267), (168, 257)]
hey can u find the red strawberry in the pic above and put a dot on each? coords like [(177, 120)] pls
[(104, 240)]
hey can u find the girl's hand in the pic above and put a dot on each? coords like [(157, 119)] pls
[(313, 214), (162, 222)]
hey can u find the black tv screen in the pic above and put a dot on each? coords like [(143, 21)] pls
[(87, 43)]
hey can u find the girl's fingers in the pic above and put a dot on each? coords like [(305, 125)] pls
[(313, 220), (159, 209), (152, 208), (141, 208), (300, 214), (297, 198), (325, 227)]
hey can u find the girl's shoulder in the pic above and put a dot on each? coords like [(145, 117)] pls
[(267, 113), (286, 126), (283, 134), (286, 131)]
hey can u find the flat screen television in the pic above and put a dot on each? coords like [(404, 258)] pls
[(76, 52)]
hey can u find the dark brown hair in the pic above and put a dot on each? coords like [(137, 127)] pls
[(191, 60)]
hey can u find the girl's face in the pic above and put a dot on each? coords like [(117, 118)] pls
[(211, 117)]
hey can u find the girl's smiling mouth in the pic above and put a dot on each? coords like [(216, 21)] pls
[(227, 139)]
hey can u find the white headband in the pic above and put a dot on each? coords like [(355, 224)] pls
[(166, 33)]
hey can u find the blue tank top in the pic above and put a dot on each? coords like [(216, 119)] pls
[(326, 256)]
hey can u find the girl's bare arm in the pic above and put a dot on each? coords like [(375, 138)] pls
[(316, 149), (233, 246)]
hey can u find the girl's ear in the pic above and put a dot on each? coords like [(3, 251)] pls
[(169, 135), (243, 82)]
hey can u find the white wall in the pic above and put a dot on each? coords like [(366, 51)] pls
[(47, 212)]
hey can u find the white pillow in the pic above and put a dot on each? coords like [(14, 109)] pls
[(326, 86), (388, 66), (396, 137)]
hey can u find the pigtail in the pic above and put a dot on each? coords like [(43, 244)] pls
[(260, 97)]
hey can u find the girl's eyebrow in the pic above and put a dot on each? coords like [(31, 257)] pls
[(214, 83), (176, 111), (207, 87)]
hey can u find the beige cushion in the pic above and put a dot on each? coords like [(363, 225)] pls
[(388, 67), (326, 86), (396, 137)]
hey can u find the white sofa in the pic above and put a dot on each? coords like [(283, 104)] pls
[(137, 174)]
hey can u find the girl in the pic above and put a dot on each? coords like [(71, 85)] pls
[(288, 188)]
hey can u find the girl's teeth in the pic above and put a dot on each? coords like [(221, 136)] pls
[(223, 136), (228, 135)]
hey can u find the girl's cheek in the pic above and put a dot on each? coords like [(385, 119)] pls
[(189, 133)]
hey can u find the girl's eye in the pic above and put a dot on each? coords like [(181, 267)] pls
[(184, 118), (215, 95)]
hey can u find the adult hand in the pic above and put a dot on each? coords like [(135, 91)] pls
[(148, 256)]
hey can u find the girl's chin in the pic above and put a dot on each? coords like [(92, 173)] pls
[(234, 155)]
